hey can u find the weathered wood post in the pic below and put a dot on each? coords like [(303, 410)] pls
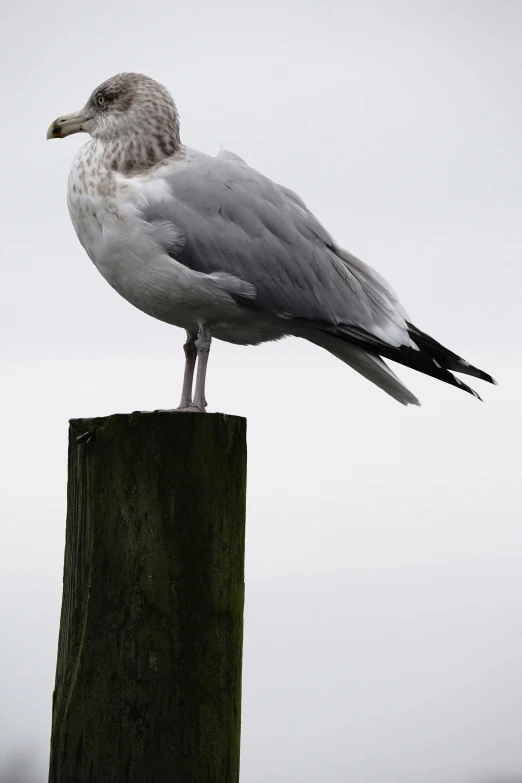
[(148, 678)]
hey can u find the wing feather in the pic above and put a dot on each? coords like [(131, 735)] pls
[(269, 252), (237, 222)]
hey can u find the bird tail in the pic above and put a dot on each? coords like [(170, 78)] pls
[(370, 366)]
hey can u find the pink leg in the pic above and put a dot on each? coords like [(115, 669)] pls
[(199, 402), (190, 363)]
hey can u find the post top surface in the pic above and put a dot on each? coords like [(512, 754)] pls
[(159, 414)]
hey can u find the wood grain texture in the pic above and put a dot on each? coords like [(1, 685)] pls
[(148, 679)]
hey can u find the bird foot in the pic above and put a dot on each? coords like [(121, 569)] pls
[(181, 409)]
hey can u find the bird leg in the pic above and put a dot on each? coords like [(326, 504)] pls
[(190, 363), (199, 402)]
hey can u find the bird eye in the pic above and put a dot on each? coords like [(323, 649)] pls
[(100, 99)]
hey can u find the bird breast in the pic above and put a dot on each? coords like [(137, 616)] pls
[(129, 253)]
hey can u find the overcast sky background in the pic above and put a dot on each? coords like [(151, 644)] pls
[(383, 633)]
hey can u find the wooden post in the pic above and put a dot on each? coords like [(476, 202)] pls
[(148, 678)]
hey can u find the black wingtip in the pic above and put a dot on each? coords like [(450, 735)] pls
[(468, 369), (457, 382), (444, 358), (428, 356)]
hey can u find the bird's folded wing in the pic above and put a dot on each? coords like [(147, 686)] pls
[(237, 222)]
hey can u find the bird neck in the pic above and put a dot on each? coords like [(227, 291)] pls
[(140, 149)]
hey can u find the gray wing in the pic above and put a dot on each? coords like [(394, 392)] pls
[(237, 222)]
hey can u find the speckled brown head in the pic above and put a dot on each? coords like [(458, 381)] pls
[(132, 115)]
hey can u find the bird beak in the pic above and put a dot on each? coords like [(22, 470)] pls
[(66, 125)]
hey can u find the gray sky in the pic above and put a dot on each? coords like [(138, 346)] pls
[(383, 636)]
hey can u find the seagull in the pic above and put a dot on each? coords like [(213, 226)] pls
[(210, 245)]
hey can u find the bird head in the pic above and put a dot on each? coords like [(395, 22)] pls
[(128, 106)]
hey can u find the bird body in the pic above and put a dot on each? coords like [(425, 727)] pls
[(108, 213), (213, 246)]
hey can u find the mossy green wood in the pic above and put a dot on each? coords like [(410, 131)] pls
[(148, 679)]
